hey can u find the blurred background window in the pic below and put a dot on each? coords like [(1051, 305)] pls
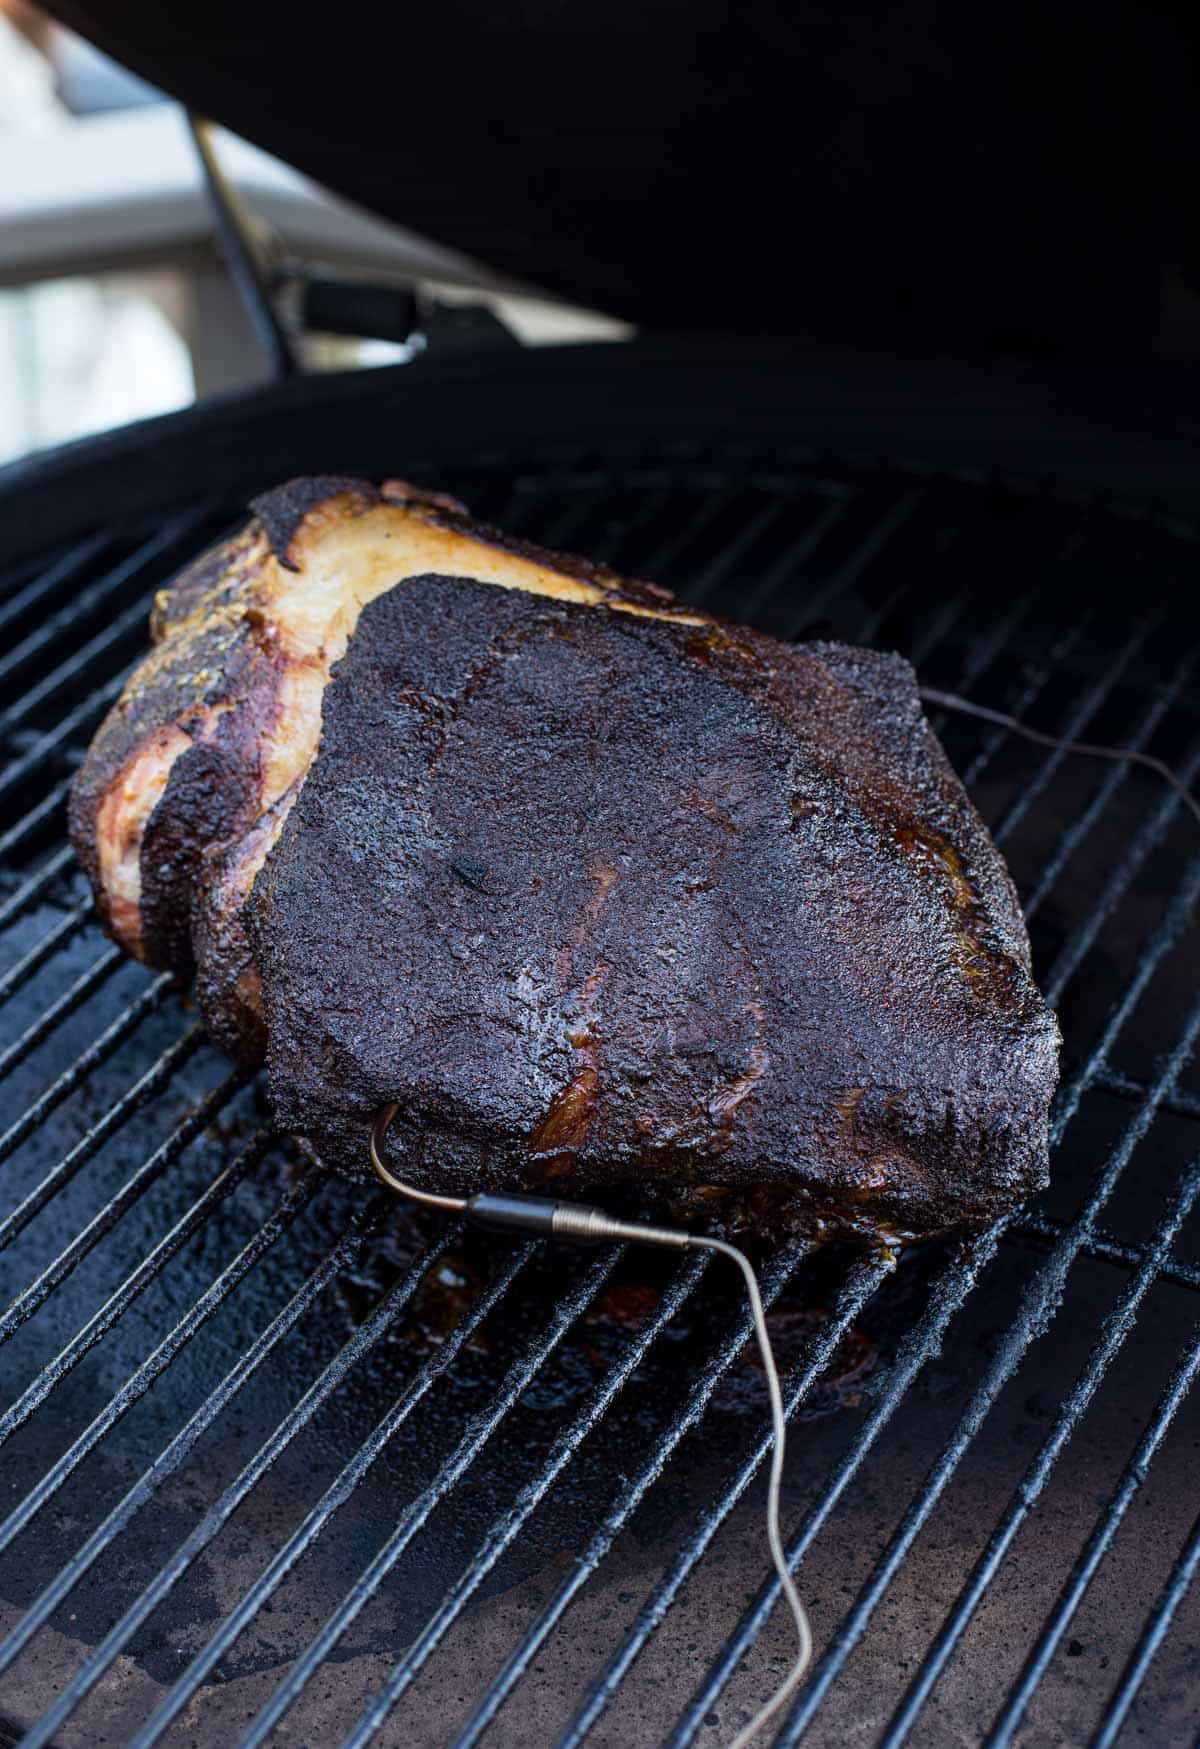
[(87, 352)]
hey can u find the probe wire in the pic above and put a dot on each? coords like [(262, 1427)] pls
[(951, 701), (580, 1224)]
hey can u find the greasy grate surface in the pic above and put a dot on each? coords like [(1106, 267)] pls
[(279, 1465)]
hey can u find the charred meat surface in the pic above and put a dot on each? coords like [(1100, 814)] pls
[(599, 898), (191, 776), (598, 889)]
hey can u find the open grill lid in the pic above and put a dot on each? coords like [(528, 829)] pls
[(996, 178)]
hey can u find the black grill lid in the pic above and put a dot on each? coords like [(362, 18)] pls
[(994, 178)]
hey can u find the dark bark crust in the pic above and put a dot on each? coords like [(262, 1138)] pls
[(226, 659), (177, 686), (601, 899)]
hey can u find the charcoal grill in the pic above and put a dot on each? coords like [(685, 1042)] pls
[(281, 1464)]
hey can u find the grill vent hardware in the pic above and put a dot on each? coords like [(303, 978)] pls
[(485, 1509), (286, 299)]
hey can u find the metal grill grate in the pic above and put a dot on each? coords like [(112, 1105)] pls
[(279, 1465)]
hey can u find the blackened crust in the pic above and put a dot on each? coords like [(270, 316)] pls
[(215, 678), (282, 511), (177, 686), (600, 899), (214, 792), (82, 804)]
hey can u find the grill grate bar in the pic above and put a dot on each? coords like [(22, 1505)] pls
[(1167, 1603), (941, 623), (565, 527), (626, 538), (498, 1537), (85, 985), (1043, 671), (174, 1454), (1129, 1087), (63, 931), (118, 1303), (922, 1343), (150, 1083), (417, 1512), (787, 566), (126, 625), (1041, 1229), (982, 659), (668, 551), (1028, 695), (1137, 742), (55, 1273), (1077, 721), (1080, 942), (526, 511), (54, 740), (819, 602), (517, 517), (947, 614), (862, 1281), (885, 530), (671, 467), (64, 570), (32, 889), (1107, 1524), (1161, 942), (703, 583), (37, 816), (1002, 633), (1039, 1302), (78, 608), (96, 1053), (707, 580), (951, 530), (1117, 1326)]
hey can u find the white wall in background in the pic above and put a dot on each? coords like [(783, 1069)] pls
[(76, 355), (82, 355)]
